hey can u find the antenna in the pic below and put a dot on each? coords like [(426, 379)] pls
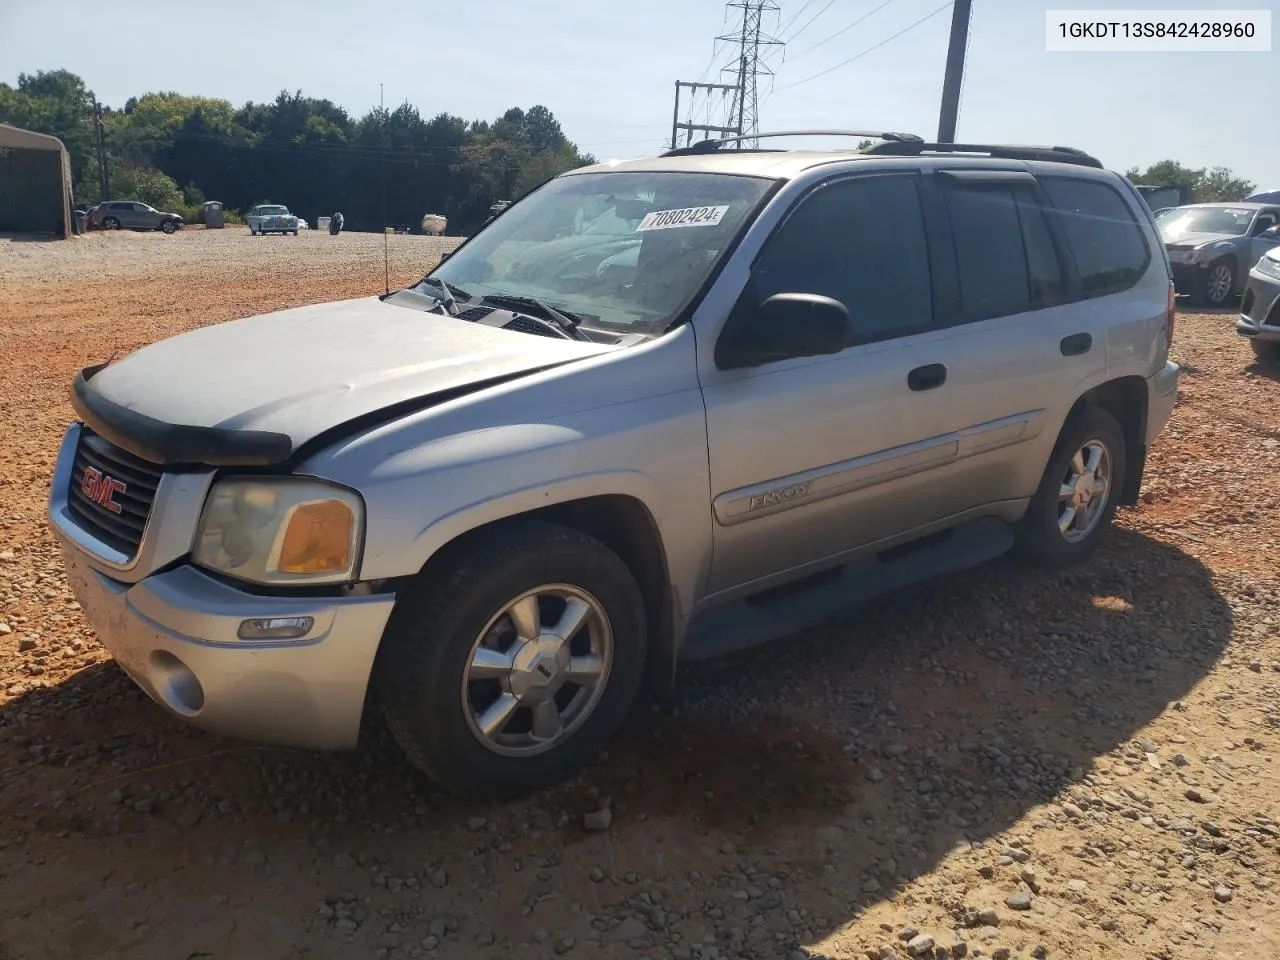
[(386, 255)]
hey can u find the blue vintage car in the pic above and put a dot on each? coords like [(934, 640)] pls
[(271, 218)]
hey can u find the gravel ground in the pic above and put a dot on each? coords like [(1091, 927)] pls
[(1003, 764)]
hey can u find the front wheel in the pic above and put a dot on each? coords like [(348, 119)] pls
[(509, 666), (169, 226), (111, 223), (1078, 495), (1214, 286), (1267, 351)]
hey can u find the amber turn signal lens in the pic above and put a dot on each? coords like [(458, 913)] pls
[(318, 538)]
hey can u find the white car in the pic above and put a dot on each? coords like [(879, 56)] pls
[(271, 218)]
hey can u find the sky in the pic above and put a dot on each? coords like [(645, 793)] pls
[(608, 69)]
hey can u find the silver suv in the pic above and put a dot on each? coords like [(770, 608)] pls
[(486, 508), (132, 215)]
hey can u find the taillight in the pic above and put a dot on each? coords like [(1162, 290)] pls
[(1168, 320)]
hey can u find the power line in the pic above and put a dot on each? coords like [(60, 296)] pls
[(859, 56), (844, 30), (792, 19), (810, 22)]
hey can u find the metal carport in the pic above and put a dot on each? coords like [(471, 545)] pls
[(35, 183)]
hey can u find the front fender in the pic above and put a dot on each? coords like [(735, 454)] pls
[(478, 513), (440, 473)]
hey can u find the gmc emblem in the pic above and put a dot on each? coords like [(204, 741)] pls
[(101, 489)]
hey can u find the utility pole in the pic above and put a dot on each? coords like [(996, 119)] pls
[(955, 71), (104, 182), (741, 89), (748, 65)]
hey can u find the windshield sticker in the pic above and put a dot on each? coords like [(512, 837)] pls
[(687, 217)]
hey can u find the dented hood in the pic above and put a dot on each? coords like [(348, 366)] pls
[(253, 391)]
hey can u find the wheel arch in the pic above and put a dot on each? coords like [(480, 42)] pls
[(1126, 399), (625, 525)]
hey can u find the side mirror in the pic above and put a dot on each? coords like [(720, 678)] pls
[(785, 326), (1271, 233)]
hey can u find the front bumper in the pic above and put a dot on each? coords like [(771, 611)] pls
[(1260, 309), (174, 628), (1186, 276), (175, 634)]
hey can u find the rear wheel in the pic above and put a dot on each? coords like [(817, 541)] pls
[(510, 667), (1078, 495), (111, 223)]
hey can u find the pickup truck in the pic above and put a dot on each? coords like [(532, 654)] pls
[(271, 218)]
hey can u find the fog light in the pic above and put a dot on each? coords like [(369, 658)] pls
[(275, 628)]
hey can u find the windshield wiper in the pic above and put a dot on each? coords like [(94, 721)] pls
[(567, 322), (448, 301)]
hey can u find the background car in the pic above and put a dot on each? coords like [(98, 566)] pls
[(1259, 319), (1212, 246), (133, 215), (271, 218)]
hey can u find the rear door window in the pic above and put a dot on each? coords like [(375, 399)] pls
[(1110, 252), (1005, 256)]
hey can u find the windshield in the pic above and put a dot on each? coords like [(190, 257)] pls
[(272, 211), (621, 251), (1227, 221)]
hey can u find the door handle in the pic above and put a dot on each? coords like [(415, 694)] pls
[(1076, 344), (927, 377)]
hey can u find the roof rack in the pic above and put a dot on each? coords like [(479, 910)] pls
[(711, 146), (915, 148)]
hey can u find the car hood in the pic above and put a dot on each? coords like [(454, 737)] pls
[(253, 391), (1187, 241)]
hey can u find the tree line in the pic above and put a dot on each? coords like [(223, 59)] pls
[(175, 151)]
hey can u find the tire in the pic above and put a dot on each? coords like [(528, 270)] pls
[(294, 232), (110, 223), (252, 232), (1216, 284), (445, 615), (1267, 351), (169, 226), (1040, 536)]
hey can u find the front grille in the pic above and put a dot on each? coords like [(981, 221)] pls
[(121, 530)]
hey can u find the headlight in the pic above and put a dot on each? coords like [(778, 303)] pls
[(1268, 267), (287, 530)]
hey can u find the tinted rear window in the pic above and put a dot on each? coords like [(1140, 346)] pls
[(1105, 239)]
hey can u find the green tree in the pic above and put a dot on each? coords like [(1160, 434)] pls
[(1205, 186)]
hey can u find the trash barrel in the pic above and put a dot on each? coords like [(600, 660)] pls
[(82, 220), (214, 217), (322, 223)]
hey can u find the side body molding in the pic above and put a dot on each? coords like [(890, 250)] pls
[(832, 480)]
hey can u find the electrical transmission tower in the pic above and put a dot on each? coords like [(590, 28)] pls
[(748, 66), (739, 97)]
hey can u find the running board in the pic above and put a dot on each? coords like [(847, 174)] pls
[(795, 606)]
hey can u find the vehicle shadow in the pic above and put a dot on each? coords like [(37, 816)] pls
[(29, 237), (787, 790), (1264, 368)]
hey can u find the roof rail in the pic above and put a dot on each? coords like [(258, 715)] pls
[(915, 148), (711, 146)]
